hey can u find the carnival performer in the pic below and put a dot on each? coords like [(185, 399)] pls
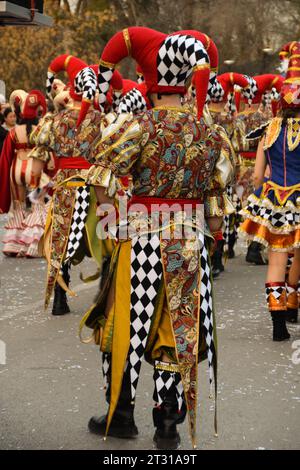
[(70, 231), (156, 299), (250, 118), (272, 215), (24, 228), (74, 204), (223, 111)]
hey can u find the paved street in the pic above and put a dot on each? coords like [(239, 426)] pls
[(51, 383)]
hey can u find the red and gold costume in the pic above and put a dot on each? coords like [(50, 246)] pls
[(24, 228), (157, 285)]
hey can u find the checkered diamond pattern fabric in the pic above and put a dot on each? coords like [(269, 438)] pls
[(78, 220), (146, 274), (164, 381), (216, 91), (104, 76), (249, 92), (275, 290), (49, 82), (176, 57), (106, 361), (116, 98), (272, 217), (85, 83), (206, 308), (132, 102)]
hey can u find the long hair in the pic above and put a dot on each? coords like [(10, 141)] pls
[(29, 123), (289, 113)]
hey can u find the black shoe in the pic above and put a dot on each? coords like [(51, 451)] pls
[(166, 440), (280, 332), (216, 273), (165, 419), (292, 315), (216, 260), (231, 244), (254, 254), (60, 304), (120, 427)]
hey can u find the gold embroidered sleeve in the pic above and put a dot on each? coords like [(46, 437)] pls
[(115, 154), (217, 203), (42, 138)]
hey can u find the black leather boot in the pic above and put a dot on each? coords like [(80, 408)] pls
[(60, 304), (122, 424), (280, 332), (292, 315), (216, 260), (231, 243), (254, 254), (166, 418)]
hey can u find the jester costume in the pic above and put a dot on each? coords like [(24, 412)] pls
[(25, 226), (223, 112), (157, 296), (272, 213), (70, 231)]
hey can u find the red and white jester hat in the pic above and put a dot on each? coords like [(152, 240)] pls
[(166, 61), (290, 92), (83, 81)]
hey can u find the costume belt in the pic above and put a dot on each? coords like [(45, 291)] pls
[(250, 155), (23, 146), (164, 203), (74, 163)]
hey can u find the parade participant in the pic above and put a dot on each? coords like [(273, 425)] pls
[(272, 213), (250, 118), (23, 229), (70, 231), (156, 298), (223, 111)]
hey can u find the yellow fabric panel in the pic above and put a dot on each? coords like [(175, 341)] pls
[(164, 338), (121, 333)]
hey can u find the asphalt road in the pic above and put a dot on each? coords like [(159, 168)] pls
[(51, 383)]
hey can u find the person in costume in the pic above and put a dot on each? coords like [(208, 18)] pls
[(272, 214), (24, 228), (70, 231), (73, 209), (222, 109), (156, 299), (252, 117)]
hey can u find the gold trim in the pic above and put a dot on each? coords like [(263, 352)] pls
[(126, 37), (173, 108), (109, 65), (293, 43), (208, 41), (66, 62), (169, 367), (292, 79), (275, 80), (295, 56), (200, 67)]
